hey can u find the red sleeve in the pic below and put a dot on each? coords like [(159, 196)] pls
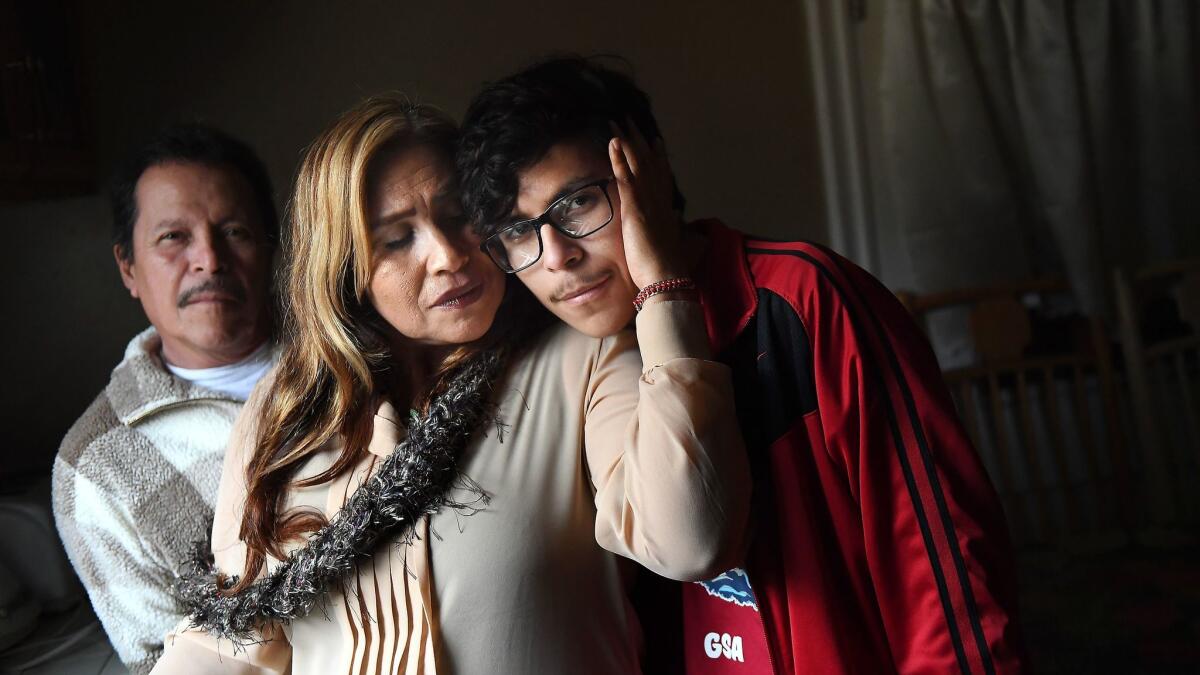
[(937, 547)]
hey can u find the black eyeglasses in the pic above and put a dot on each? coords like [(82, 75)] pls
[(576, 215)]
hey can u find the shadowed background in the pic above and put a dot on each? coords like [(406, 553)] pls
[(730, 87)]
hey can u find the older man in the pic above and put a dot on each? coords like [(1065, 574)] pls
[(136, 477)]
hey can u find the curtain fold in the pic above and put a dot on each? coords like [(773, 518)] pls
[(1027, 138)]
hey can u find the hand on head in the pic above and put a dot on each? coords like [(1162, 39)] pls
[(650, 227)]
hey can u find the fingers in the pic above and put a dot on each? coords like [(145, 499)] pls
[(663, 164), (640, 148), (620, 165), (624, 175), (642, 158), (660, 152), (632, 159), (643, 172)]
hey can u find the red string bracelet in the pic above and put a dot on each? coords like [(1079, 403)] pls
[(678, 284)]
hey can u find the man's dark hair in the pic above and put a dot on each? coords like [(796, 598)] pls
[(189, 143), (514, 122)]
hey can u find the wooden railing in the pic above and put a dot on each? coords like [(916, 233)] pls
[(1048, 427), (1164, 383)]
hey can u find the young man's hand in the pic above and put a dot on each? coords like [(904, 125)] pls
[(649, 224)]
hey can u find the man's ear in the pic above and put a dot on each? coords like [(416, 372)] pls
[(125, 265)]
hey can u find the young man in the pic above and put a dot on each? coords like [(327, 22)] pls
[(135, 479), (877, 543)]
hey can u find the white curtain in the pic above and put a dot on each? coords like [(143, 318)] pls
[(1030, 138)]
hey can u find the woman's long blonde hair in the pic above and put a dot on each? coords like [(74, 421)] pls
[(336, 357)]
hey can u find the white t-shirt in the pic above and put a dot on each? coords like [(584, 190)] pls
[(235, 379)]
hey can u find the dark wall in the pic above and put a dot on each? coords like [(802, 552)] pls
[(732, 88)]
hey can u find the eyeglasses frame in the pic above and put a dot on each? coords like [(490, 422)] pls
[(544, 219)]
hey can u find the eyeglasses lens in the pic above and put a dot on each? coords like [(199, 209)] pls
[(578, 214)]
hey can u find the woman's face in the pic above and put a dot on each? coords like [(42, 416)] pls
[(429, 279)]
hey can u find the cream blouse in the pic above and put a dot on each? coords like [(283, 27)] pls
[(647, 463)]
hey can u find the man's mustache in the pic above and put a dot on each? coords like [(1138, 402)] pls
[(224, 285)]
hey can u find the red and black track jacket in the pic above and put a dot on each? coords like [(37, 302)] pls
[(878, 544)]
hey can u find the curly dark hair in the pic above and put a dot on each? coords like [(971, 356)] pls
[(513, 123), (190, 142)]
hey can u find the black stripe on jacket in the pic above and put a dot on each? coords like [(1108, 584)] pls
[(927, 461)]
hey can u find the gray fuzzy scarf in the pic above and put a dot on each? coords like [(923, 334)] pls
[(415, 480)]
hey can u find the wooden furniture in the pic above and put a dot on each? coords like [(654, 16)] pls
[(1046, 424), (1158, 309)]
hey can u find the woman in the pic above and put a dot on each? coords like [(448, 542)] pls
[(471, 547)]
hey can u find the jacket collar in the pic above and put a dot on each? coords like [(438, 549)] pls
[(726, 287), (141, 385)]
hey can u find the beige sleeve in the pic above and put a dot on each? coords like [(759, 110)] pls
[(664, 450), (189, 650)]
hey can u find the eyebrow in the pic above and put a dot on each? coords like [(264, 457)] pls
[(233, 217), (566, 189), (393, 218), (169, 223)]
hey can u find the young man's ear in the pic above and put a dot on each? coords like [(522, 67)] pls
[(125, 265)]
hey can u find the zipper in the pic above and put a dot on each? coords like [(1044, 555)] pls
[(762, 625), (174, 404), (760, 605)]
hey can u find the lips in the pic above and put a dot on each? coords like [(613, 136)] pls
[(585, 292), (459, 296)]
